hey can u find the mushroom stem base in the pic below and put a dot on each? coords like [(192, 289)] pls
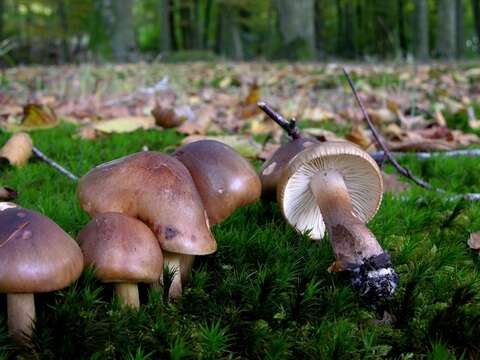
[(172, 261), (375, 280), (128, 294), (21, 315)]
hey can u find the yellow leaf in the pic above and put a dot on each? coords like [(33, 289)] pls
[(125, 124)]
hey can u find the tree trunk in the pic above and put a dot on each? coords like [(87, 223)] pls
[(319, 28), (297, 27), (230, 40), (421, 29), (401, 28), (123, 36), (460, 27), (2, 11), (62, 16), (476, 16), (446, 38), (165, 34)]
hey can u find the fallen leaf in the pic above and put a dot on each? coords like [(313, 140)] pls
[(322, 134), (245, 146), (474, 241), (7, 193), (168, 117), (37, 116), (125, 124), (199, 123), (336, 266), (358, 136), (18, 149), (268, 150)]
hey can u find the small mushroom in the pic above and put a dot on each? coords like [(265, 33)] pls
[(159, 190), (338, 185), (18, 149), (224, 179), (123, 251), (36, 256)]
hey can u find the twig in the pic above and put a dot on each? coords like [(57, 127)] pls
[(379, 155), (289, 126), (53, 164), (386, 153), (402, 170)]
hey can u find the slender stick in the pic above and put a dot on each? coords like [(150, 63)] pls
[(53, 164), (289, 126), (402, 170), (379, 155)]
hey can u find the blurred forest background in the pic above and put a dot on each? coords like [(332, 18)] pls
[(61, 31)]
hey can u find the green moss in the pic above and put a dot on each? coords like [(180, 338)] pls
[(265, 294)]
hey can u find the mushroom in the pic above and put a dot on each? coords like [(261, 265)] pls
[(124, 251), (158, 190), (224, 179), (36, 255), (338, 185), (272, 169)]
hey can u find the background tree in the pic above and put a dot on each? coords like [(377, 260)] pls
[(446, 38), (421, 29)]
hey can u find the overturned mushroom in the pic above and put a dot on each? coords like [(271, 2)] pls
[(339, 186), (123, 251), (36, 255), (158, 190), (224, 179)]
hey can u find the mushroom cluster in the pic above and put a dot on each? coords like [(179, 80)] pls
[(338, 187), (36, 256), (176, 198)]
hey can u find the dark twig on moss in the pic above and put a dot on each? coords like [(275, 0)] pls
[(53, 164), (402, 170), (289, 126)]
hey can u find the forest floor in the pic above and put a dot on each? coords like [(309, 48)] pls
[(266, 293)]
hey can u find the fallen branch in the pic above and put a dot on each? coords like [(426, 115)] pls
[(379, 155), (402, 170), (289, 126), (389, 156), (53, 164)]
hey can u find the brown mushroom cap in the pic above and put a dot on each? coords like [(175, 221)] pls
[(36, 255), (224, 179), (122, 249), (156, 189), (272, 169), (360, 173)]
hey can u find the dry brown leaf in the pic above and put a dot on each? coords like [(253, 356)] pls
[(18, 149), (336, 266), (37, 116), (268, 150), (422, 145), (167, 117), (7, 193), (322, 134), (317, 114), (474, 241), (382, 116), (199, 123), (358, 136), (124, 124), (439, 118)]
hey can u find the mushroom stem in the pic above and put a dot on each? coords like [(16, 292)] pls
[(21, 315), (128, 294), (355, 247), (172, 261)]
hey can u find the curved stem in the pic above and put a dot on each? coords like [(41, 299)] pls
[(128, 294), (351, 240), (21, 315)]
